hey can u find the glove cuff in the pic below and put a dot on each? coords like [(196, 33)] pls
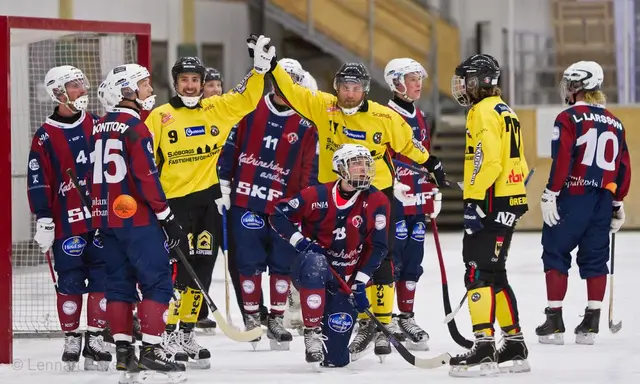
[(164, 213), (617, 204), (432, 163), (362, 277), (296, 238), (45, 220), (550, 192)]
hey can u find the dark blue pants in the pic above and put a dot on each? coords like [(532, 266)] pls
[(257, 245), (137, 255), (584, 223), (408, 250), (79, 265)]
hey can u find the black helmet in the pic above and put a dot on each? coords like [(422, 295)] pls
[(353, 73), (188, 64), (212, 74), (477, 71)]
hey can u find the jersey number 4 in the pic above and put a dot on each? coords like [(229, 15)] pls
[(595, 148), (109, 156)]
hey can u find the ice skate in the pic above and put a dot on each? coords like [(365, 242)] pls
[(96, 356), (417, 337), (552, 330), (512, 355), (127, 363), (395, 329), (362, 342), (154, 358), (314, 346), (251, 321), (382, 347), (71, 352), (587, 330), (199, 354), (207, 326), (279, 337), (481, 360), (172, 347), (137, 332), (293, 315)]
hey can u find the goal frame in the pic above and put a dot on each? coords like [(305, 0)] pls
[(142, 33)]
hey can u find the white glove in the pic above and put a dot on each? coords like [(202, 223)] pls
[(437, 204), (400, 192), (261, 58), (45, 234), (549, 208), (225, 200), (617, 219)]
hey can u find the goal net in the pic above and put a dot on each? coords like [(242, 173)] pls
[(34, 47)]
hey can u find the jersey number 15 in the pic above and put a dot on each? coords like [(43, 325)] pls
[(110, 155)]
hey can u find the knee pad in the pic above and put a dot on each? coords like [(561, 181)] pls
[(312, 270), (481, 301)]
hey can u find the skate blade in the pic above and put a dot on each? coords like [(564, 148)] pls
[(515, 366), (417, 346), (279, 346), (199, 364), (206, 331), (358, 355), (316, 366), (586, 338), (254, 344), (127, 377), (381, 358), (478, 370), (176, 377), (70, 366), (92, 365), (554, 338)]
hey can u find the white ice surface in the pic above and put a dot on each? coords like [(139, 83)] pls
[(613, 359)]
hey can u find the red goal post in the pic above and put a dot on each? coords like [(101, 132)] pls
[(29, 47)]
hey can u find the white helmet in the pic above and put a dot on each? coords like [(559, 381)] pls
[(581, 76), (122, 84), (343, 158), (395, 71), (55, 83), (102, 89), (309, 82), (293, 68)]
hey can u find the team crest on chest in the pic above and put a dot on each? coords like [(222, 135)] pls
[(377, 137), (166, 119), (292, 138), (214, 131), (356, 221)]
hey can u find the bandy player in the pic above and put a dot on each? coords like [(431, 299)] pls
[(590, 177), (63, 225), (344, 226), (253, 175), (136, 225)]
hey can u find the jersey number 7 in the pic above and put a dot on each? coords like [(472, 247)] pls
[(101, 159)]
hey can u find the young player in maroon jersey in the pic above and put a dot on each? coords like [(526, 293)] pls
[(253, 175), (343, 225), (63, 225), (404, 77), (136, 224), (590, 176)]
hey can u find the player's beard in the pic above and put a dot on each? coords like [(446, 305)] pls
[(350, 103)]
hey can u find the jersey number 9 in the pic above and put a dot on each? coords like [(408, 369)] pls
[(102, 159)]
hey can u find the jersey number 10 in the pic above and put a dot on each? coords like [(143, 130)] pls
[(595, 147)]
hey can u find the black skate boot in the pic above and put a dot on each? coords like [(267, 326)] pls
[(137, 332), (207, 326), (481, 360), (552, 330), (314, 345), (126, 363), (279, 337), (154, 358), (417, 337), (196, 352), (107, 336), (362, 342), (395, 329), (512, 355), (587, 330), (172, 346), (251, 321), (96, 356), (382, 346), (71, 352)]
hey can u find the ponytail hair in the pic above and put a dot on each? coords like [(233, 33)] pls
[(595, 97)]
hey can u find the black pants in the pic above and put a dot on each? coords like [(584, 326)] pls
[(384, 273)]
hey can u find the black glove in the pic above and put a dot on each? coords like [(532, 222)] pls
[(434, 166), (172, 230)]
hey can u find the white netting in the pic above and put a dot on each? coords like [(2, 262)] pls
[(32, 54)]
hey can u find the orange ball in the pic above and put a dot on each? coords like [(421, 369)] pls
[(125, 206)]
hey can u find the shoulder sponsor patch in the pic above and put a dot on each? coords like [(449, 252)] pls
[(34, 165), (294, 203), (401, 230), (251, 221), (555, 133), (74, 246), (381, 222)]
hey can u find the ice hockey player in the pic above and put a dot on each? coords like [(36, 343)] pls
[(494, 198), (404, 77), (349, 117), (213, 83), (63, 225), (253, 175), (189, 133), (582, 203), (136, 225), (343, 226)]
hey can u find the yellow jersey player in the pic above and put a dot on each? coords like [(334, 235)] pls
[(213, 83), (188, 135), (495, 199), (350, 118)]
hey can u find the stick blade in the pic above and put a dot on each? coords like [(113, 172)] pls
[(234, 333), (615, 328), (434, 362)]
